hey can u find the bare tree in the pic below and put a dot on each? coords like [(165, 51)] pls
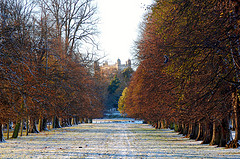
[(75, 22)]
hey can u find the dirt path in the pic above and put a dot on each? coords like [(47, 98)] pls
[(110, 139)]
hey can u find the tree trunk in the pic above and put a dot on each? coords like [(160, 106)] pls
[(185, 129), (44, 124), (77, 118), (158, 124), (189, 133), (232, 123), (182, 128), (178, 127), (32, 126), (53, 122), (216, 134), (21, 132), (85, 120), (27, 126), (236, 115), (57, 123), (16, 130), (207, 134), (81, 120), (40, 124), (1, 135), (61, 122), (200, 132), (8, 127), (194, 131), (162, 124), (72, 121), (225, 132), (166, 126)]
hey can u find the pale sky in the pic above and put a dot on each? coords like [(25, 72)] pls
[(119, 25)]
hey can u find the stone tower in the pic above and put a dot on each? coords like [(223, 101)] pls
[(129, 63), (119, 62)]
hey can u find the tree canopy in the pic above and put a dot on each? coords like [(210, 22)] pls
[(44, 73), (188, 71)]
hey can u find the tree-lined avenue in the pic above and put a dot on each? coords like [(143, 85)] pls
[(105, 138)]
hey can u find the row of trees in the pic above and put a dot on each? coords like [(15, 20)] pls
[(189, 70), (45, 68)]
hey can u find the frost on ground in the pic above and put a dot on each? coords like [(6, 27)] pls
[(110, 139)]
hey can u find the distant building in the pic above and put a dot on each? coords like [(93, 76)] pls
[(121, 67), (110, 70)]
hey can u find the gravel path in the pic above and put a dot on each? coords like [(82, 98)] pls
[(110, 139)]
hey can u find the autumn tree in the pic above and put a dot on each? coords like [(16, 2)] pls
[(121, 102), (186, 46), (44, 76)]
